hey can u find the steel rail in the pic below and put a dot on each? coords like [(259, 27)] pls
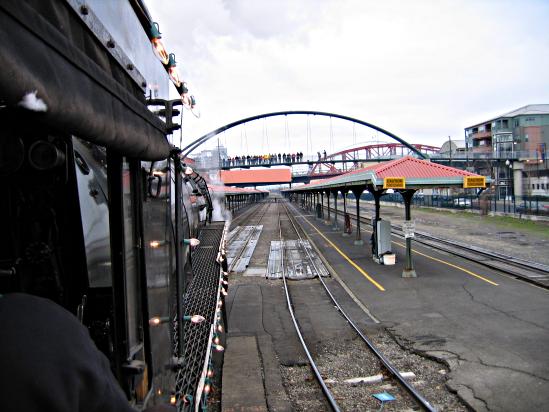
[(247, 212), (241, 251), (327, 392), (394, 372)]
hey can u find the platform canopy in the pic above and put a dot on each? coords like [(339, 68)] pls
[(405, 173)]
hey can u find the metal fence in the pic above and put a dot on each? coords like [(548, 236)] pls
[(530, 205)]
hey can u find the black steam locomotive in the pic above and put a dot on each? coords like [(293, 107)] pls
[(97, 206)]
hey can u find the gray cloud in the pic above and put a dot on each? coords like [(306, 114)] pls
[(421, 69)]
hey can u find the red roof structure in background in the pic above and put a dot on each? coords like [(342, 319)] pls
[(231, 177), (410, 167), (417, 172)]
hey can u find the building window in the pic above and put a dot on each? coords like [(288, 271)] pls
[(538, 186), (533, 185), (526, 137), (505, 123), (530, 119)]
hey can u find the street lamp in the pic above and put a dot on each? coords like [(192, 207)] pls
[(511, 178)]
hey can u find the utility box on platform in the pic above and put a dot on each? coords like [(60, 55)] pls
[(383, 237)]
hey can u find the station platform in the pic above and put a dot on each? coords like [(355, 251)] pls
[(463, 325)]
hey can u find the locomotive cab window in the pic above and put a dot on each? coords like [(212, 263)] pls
[(91, 177)]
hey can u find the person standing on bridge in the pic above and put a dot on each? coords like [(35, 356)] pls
[(324, 154), (318, 153), (279, 158)]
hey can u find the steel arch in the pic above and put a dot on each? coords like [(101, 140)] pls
[(194, 144), (371, 152)]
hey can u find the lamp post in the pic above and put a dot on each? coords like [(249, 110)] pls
[(511, 178), (450, 149)]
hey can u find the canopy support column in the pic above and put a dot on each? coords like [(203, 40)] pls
[(358, 192), (329, 219), (346, 217), (335, 227), (409, 271), (377, 197), (321, 206)]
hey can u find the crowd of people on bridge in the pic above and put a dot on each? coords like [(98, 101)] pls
[(271, 158)]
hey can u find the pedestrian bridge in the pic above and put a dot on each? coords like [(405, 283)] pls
[(307, 167)]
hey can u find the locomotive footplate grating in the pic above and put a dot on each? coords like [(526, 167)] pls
[(200, 299)]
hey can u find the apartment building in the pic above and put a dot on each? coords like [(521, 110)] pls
[(522, 137)]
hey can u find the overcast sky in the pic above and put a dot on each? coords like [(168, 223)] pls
[(422, 69)]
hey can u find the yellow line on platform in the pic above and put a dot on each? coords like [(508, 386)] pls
[(443, 262), (451, 264), (347, 258)]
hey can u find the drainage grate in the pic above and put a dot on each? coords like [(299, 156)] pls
[(201, 298)]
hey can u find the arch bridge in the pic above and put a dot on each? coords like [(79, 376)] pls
[(187, 150), (321, 165)]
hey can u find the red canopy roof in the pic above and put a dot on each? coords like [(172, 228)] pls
[(420, 173), (410, 167)]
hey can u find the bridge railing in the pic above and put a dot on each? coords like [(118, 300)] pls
[(523, 205), (337, 159), (234, 162)]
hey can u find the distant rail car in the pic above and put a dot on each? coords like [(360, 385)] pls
[(96, 203)]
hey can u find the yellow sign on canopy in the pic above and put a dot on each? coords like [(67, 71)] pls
[(394, 183), (474, 181)]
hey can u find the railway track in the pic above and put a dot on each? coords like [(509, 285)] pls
[(390, 369), (257, 214), (532, 272), (252, 209)]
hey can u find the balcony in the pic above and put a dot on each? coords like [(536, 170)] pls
[(482, 135)]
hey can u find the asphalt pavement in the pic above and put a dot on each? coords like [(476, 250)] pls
[(491, 329)]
